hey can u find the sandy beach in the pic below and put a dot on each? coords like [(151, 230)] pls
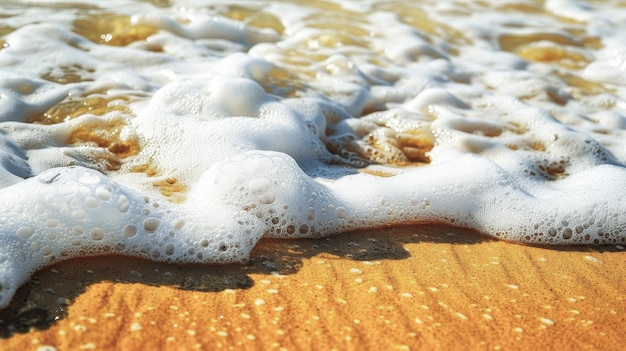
[(402, 289), (194, 132)]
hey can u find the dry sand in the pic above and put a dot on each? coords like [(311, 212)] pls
[(413, 288)]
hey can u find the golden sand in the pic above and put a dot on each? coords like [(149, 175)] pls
[(402, 289)]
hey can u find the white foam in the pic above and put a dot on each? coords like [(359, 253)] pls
[(243, 132)]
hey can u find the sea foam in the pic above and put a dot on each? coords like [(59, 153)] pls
[(196, 134)]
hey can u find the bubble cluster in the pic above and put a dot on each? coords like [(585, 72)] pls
[(270, 190), (72, 211)]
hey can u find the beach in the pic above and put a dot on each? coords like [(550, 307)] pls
[(312, 175), (423, 288)]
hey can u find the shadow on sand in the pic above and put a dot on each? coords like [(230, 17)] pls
[(46, 297)]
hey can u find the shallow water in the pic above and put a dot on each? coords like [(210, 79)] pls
[(186, 132)]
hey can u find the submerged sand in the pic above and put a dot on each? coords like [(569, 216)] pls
[(413, 288)]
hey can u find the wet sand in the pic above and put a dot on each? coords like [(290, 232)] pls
[(413, 288)]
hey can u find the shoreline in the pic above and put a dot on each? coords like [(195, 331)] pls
[(426, 287)]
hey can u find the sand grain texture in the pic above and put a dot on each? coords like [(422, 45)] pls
[(401, 289)]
